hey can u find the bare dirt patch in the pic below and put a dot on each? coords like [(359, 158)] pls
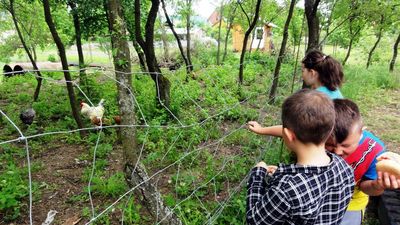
[(61, 185)]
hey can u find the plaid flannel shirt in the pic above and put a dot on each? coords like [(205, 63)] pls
[(298, 194)]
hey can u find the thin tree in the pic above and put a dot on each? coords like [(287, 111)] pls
[(26, 48), (164, 39), (64, 63), (78, 40), (297, 54), (329, 32), (147, 44), (228, 30), (379, 36), (310, 9), (395, 47), (221, 11), (252, 39), (135, 175), (246, 36), (353, 34), (281, 55), (355, 27), (178, 40), (128, 11), (188, 36)]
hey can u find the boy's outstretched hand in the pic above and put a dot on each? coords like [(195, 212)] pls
[(270, 169), (388, 181), (254, 126), (378, 186)]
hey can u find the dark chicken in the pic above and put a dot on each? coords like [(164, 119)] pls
[(27, 116)]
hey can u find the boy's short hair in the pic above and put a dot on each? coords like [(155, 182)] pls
[(310, 115), (347, 114)]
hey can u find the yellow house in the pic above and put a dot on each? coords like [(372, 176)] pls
[(262, 40), (214, 20)]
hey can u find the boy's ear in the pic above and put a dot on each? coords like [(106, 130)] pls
[(289, 134)]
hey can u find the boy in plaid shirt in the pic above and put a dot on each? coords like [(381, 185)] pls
[(315, 190)]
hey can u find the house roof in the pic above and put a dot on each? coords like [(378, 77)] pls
[(271, 24), (214, 18)]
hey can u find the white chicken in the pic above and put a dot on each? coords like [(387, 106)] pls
[(95, 113)]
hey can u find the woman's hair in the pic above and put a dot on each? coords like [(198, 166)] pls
[(329, 69)]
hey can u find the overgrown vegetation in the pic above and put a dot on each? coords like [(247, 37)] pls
[(198, 149), (206, 144)]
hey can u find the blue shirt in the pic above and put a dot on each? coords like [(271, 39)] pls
[(332, 94), (371, 172)]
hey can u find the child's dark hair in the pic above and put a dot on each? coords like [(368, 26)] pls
[(347, 114), (329, 69), (310, 115)]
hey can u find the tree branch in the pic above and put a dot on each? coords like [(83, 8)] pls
[(248, 19)]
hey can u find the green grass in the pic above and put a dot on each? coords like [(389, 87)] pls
[(207, 170)]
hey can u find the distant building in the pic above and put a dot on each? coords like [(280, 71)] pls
[(196, 35), (262, 40), (214, 19)]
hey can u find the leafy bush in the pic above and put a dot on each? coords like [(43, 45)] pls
[(110, 187), (51, 58)]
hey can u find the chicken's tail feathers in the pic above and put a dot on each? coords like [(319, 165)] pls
[(101, 102)]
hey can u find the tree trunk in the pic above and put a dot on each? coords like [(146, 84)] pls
[(123, 75), (33, 61), (64, 63), (246, 38), (219, 32), (393, 61), (329, 22), (373, 48), (147, 44), (259, 43), (377, 41), (34, 53), (348, 52), (297, 54), (310, 9), (140, 53), (78, 39), (350, 46), (229, 27), (274, 86), (252, 39), (164, 41), (188, 38), (329, 32), (171, 26), (135, 175)]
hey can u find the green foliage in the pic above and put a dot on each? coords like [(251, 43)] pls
[(235, 211), (13, 188), (102, 220), (363, 84), (51, 58), (13, 183), (131, 212), (113, 186), (211, 149)]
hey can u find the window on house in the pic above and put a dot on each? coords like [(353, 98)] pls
[(259, 34)]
